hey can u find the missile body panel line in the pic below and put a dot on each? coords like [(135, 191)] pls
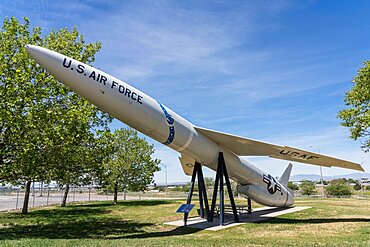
[(190, 138)]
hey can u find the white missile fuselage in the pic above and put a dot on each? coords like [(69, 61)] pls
[(148, 116)]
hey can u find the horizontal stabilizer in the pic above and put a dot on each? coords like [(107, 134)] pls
[(248, 147)]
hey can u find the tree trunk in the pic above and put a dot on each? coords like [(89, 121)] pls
[(42, 185), (65, 196), (26, 197), (115, 193)]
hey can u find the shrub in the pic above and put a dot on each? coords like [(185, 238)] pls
[(338, 189), (308, 188)]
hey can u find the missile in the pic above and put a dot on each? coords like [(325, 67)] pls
[(195, 144)]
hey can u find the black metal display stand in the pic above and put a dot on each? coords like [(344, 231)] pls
[(202, 193), (220, 174), (219, 184)]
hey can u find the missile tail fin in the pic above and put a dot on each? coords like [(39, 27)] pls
[(284, 179)]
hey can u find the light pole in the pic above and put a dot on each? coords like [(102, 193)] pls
[(322, 182), (165, 170), (321, 179), (361, 187)]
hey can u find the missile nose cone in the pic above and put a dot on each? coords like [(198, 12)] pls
[(28, 48), (31, 50), (46, 58)]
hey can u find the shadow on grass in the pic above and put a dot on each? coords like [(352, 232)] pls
[(124, 203), (311, 221), (175, 232), (90, 228), (50, 215), (105, 228), (92, 221), (144, 203)]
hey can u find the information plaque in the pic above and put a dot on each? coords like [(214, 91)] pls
[(185, 208)]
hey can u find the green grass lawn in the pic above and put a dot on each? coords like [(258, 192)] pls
[(331, 222)]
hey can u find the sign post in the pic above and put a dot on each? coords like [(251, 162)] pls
[(185, 208)]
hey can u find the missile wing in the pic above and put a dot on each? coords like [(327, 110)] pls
[(242, 146)]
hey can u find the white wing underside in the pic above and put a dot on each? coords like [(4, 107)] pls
[(242, 146)]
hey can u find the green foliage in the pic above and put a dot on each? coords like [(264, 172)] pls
[(292, 186), (128, 163), (357, 186), (307, 188), (338, 187), (324, 182), (182, 188), (209, 182), (46, 130), (186, 187), (351, 181), (357, 116), (338, 181)]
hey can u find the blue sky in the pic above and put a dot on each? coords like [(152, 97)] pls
[(275, 71)]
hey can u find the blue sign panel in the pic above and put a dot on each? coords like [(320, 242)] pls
[(185, 208)]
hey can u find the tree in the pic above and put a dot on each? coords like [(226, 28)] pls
[(209, 182), (338, 187), (357, 186), (292, 186), (351, 181), (77, 164), (128, 164), (308, 187), (357, 116), (40, 118), (338, 181)]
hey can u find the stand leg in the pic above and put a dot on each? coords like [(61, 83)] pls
[(219, 182), (200, 190), (204, 192), (214, 197), (231, 196), (249, 206), (222, 204), (191, 189)]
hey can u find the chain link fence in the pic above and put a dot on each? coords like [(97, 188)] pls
[(12, 199)]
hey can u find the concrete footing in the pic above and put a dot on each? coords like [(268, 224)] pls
[(259, 214)]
